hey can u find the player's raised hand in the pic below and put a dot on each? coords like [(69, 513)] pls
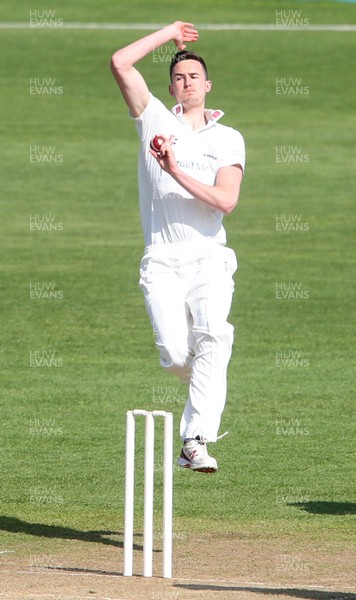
[(186, 32)]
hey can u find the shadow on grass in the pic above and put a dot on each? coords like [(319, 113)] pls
[(14, 525), (293, 592), (81, 570), (326, 508)]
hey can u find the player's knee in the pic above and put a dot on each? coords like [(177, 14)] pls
[(220, 334), (175, 362)]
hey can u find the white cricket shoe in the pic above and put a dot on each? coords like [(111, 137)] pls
[(195, 456)]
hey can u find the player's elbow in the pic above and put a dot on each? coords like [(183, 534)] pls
[(229, 205), (229, 183), (118, 63)]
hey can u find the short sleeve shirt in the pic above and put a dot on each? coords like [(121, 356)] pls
[(169, 214)]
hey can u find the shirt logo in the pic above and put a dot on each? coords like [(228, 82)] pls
[(192, 164)]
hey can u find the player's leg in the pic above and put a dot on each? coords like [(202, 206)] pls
[(210, 301), (169, 314)]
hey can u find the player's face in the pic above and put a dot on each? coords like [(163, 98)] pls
[(189, 85)]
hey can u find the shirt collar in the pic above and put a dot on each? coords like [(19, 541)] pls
[(211, 115)]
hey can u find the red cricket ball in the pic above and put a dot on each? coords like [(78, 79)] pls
[(156, 143)]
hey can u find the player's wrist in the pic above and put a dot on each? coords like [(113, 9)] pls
[(164, 35), (175, 172), (175, 27), (170, 32)]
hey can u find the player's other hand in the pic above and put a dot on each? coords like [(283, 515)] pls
[(185, 32)]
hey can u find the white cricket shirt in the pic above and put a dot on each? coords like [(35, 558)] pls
[(169, 214)]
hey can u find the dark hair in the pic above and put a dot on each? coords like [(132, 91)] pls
[(186, 55)]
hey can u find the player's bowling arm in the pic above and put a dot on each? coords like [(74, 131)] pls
[(131, 83)]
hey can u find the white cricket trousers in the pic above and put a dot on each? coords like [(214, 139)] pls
[(188, 290)]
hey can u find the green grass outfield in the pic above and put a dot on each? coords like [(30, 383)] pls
[(271, 482)]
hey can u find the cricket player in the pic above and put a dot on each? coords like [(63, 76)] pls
[(185, 188)]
